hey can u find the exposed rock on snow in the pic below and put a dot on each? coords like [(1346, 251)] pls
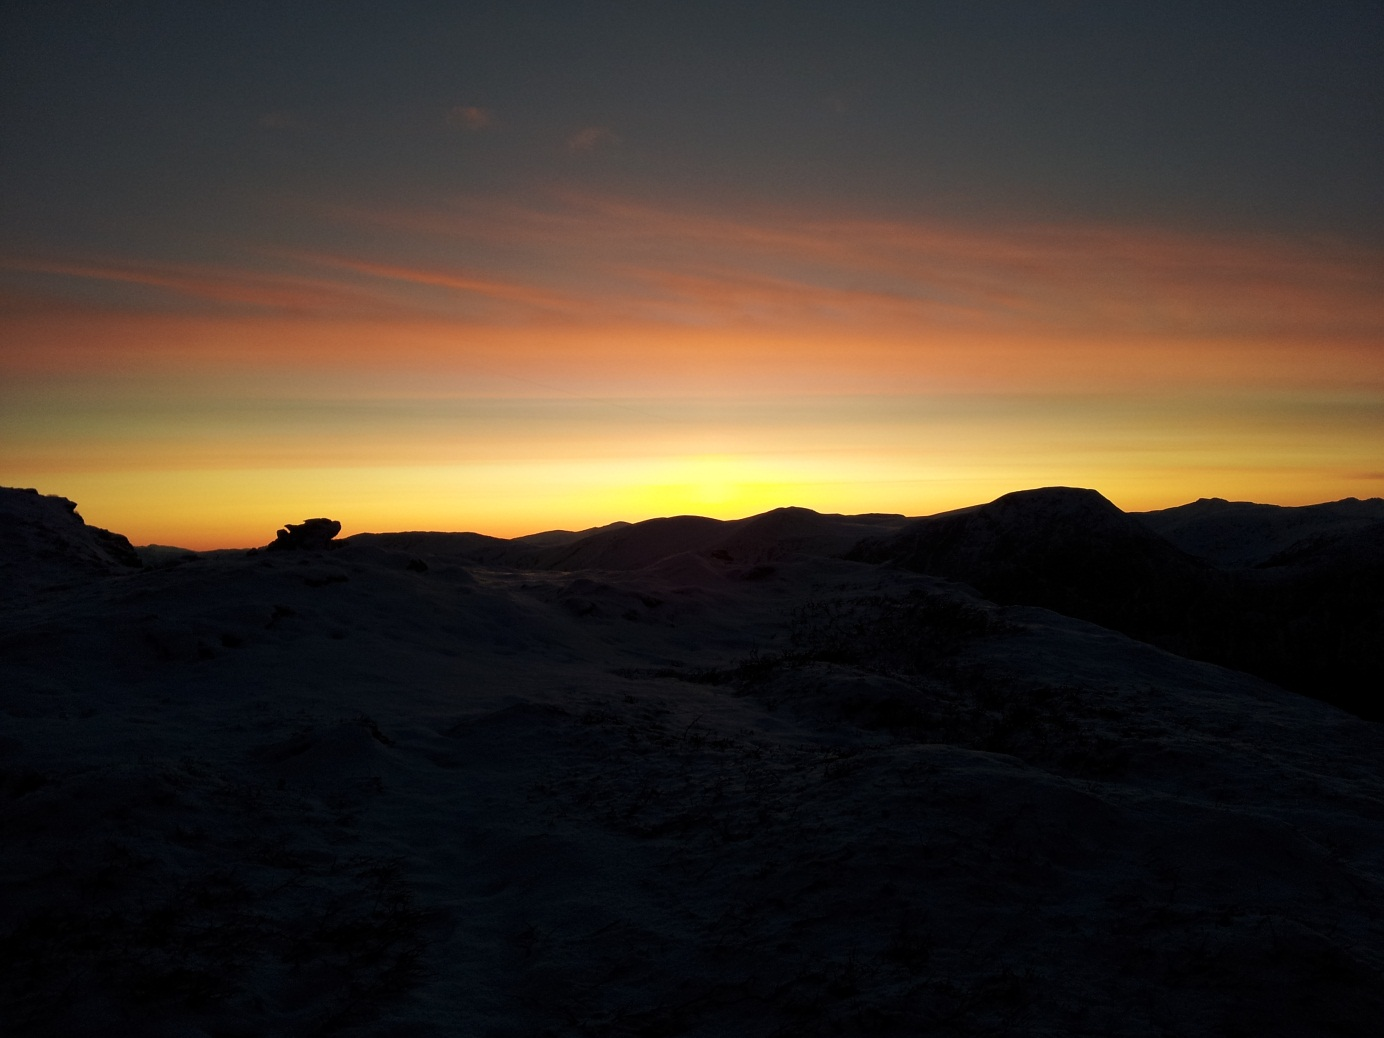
[(309, 535)]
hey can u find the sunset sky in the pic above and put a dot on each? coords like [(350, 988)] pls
[(515, 266)]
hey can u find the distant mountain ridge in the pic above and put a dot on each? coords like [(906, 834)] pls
[(1310, 617), (1240, 533), (1294, 595), (1067, 549), (631, 546), (753, 540)]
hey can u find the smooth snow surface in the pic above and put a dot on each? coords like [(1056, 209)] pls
[(692, 779)]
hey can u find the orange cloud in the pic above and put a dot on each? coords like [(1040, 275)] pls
[(469, 117), (572, 359), (527, 296), (589, 138), (608, 294), (1074, 278), (258, 289), (654, 359)]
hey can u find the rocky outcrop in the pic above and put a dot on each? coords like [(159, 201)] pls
[(309, 535), (44, 542)]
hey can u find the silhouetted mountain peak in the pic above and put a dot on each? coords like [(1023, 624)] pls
[(1059, 509), (1065, 548), (1068, 520), (1073, 500), (635, 545)]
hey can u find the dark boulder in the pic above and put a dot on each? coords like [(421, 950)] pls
[(309, 535)]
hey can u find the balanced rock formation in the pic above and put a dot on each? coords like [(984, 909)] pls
[(309, 535)]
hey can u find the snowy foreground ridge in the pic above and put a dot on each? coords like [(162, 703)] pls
[(798, 774)]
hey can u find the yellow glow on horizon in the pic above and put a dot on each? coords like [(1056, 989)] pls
[(713, 481), (621, 361), (942, 467)]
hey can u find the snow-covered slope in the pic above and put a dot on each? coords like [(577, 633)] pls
[(1240, 533), (340, 792)]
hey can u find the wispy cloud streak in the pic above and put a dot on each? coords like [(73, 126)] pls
[(596, 287), (241, 287), (1077, 277), (529, 297)]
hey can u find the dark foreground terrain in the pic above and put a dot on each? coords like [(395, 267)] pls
[(793, 775)]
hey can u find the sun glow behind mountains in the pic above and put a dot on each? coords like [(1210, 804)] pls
[(593, 359), (509, 267)]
